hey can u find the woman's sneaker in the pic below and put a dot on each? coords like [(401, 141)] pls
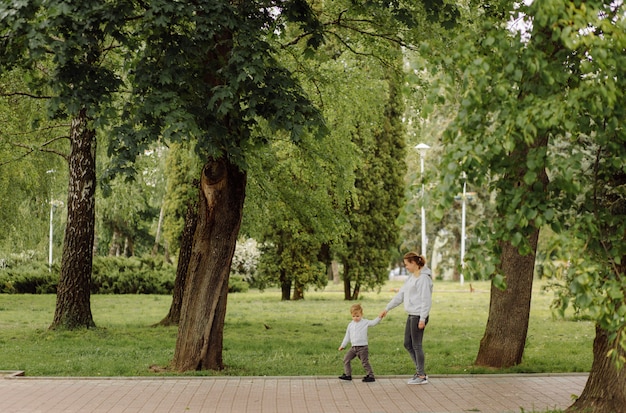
[(345, 377), (369, 379), (418, 380)]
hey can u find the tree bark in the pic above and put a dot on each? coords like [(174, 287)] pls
[(298, 292), (114, 247), (157, 237), (347, 290), (73, 307), (505, 335), (285, 286), (201, 326), (605, 390), (184, 256)]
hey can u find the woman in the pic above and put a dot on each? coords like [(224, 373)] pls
[(416, 294)]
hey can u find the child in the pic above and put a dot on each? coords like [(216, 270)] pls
[(356, 334)]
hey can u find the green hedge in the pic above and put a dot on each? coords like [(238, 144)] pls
[(28, 278), (110, 275), (121, 275)]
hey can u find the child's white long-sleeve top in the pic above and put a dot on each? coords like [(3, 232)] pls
[(356, 333)]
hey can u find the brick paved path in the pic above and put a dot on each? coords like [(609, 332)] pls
[(476, 393)]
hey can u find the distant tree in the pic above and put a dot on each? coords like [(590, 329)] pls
[(31, 172), (378, 194), (304, 186), (291, 212)]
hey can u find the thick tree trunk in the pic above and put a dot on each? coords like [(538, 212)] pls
[(200, 331), (73, 307), (605, 391), (505, 335), (184, 256), (509, 310)]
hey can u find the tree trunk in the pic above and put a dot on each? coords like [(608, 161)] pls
[(157, 237), (505, 335), (73, 307), (509, 310), (298, 292), (114, 247), (184, 256), (347, 290), (129, 246), (285, 286), (200, 331), (605, 390), (333, 272)]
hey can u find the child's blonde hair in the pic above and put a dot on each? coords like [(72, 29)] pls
[(356, 308)]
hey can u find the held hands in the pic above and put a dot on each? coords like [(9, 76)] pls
[(383, 314), (340, 348)]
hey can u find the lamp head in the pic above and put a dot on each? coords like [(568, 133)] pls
[(422, 147)]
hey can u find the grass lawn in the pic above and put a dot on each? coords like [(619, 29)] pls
[(302, 339)]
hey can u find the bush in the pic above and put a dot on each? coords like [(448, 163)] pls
[(28, 278), (237, 284), (132, 275), (110, 275)]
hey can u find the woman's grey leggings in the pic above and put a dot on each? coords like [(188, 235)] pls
[(413, 342)]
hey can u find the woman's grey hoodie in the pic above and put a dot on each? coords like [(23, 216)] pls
[(416, 294)]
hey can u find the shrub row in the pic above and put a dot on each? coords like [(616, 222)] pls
[(28, 278), (122, 275), (110, 275)]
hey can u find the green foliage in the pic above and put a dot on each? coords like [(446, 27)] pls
[(375, 201), (548, 99), (208, 74), (30, 277), (72, 35), (289, 256), (111, 275), (237, 284), (26, 187), (128, 209), (181, 169), (120, 275), (303, 186), (297, 184)]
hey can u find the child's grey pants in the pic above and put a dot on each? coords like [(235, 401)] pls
[(363, 354)]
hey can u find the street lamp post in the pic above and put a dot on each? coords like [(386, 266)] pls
[(51, 171), (422, 148), (463, 201)]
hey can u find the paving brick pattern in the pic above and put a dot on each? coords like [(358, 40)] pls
[(476, 393)]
